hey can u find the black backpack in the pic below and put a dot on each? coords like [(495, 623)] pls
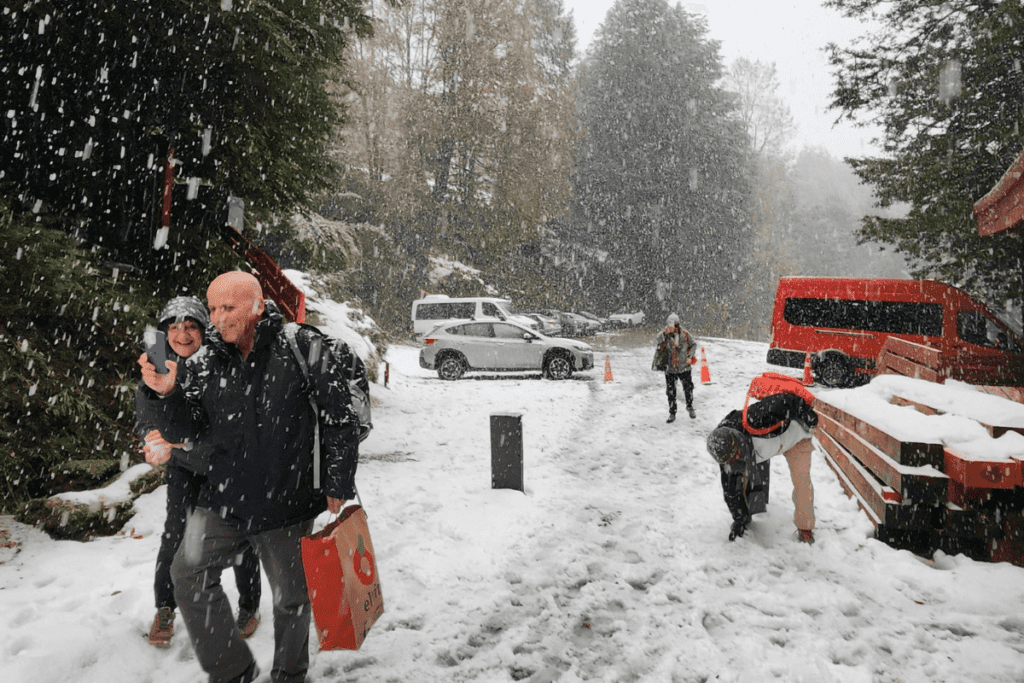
[(358, 382)]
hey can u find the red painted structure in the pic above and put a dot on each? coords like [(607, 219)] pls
[(275, 283), (926, 496), (165, 215), (1002, 208)]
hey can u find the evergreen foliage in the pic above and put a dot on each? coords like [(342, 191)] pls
[(97, 95), (662, 175), (945, 82), (69, 336), (97, 92)]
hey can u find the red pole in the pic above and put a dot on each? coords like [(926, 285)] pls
[(168, 186)]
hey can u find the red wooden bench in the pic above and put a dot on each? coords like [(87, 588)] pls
[(923, 496)]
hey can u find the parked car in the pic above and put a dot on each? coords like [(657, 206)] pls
[(575, 325), (627, 319), (549, 324), (460, 347), (602, 323)]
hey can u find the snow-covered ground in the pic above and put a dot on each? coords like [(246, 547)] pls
[(613, 566)]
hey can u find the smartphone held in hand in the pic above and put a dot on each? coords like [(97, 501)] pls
[(156, 349)]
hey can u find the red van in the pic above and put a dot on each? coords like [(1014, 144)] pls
[(843, 323)]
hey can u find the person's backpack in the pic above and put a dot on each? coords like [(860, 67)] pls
[(358, 383), (770, 384)]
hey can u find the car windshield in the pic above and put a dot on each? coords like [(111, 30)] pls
[(506, 307)]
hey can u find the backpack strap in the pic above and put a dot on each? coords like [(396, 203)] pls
[(291, 335)]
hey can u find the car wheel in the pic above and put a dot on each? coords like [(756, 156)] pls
[(451, 367), (558, 366), (833, 369)]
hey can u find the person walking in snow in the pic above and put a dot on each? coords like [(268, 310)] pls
[(675, 352), (778, 422), (184, 320), (247, 387)]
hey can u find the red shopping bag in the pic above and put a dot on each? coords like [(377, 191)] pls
[(341, 576)]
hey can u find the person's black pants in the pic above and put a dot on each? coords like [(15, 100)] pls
[(182, 493), (670, 389), (213, 544)]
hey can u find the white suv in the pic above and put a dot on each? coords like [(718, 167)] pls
[(460, 347)]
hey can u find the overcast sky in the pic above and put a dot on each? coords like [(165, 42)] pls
[(790, 33)]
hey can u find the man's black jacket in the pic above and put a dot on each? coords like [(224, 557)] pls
[(252, 415)]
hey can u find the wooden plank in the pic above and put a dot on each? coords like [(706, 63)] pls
[(907, 453), (995, 431), (896, 365), (1011, 393), (1014, 522), (921, 354), (974, 547), (876, 498), (912, 484), (998, 430), (919, 407), (1007, 551), (982, 474), (969, 523), (850, 489), (921, 542), (1002, 208)]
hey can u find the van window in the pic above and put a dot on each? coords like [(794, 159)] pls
[(894, 317), (508, 307), (463, 309), (445, 311), (432, 312), (979, 329), (490, 310)]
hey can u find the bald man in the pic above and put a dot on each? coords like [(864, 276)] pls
[(244, 398)]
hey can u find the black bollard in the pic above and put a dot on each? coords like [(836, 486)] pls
[(507, 451)]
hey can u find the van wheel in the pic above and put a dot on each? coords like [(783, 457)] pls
[(557, 366), (451, 367), (833, 369)]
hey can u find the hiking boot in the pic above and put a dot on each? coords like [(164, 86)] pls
[(691, 411), (805, 536), (249, 675), (671, 417), (739, 527), (163, 627), (248, 622)]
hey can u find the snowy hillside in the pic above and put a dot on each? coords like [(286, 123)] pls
[(613, 566)]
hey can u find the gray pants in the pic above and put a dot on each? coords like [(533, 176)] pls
[(210, 545)]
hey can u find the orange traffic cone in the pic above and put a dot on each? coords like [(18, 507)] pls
[(808, 380), (705, 374), (607, 369)]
